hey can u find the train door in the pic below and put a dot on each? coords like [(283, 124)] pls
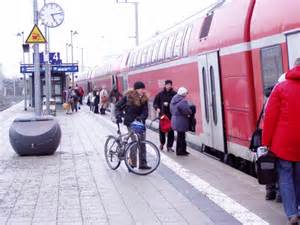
[(211, 101), (293, 42), (113, 81), (125, 82)]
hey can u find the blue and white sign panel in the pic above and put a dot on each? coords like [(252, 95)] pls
[(54, 58), (66, 68)]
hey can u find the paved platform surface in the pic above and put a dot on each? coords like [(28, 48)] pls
[(74, 186)]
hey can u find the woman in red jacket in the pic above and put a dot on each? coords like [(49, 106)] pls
[(281, 134)]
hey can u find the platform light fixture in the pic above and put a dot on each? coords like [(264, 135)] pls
[(73, 32)]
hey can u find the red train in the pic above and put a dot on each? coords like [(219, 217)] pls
[(225, 57)]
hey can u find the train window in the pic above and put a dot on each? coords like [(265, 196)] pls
[(213, 95), (136, 62), (138, 58), (187, 40), (149, 56), (206, 26), (170, 45), (162, 49), (144, 56), (205, 95), (178, 44), (131, 60), (127, 59), (155, 51), (271, 61)]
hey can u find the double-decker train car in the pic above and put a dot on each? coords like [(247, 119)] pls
[(225, 58)]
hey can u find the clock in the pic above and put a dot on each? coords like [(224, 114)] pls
[(52, 15)]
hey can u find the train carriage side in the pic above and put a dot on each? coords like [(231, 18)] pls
[(275, 38), (226, 82), (219, 79)]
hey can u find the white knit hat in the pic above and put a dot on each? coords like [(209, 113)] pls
[(182, 91)]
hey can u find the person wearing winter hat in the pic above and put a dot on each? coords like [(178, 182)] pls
[(161, 105), (134, 106), (180, 119)]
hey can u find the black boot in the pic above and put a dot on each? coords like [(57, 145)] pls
[(270, 195)]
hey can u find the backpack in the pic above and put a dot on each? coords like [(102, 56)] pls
[(192, 119), (164, 124)]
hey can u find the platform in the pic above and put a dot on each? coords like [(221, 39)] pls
[(75, 186)]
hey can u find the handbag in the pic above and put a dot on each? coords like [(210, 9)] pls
[(266, 167), (164, 124)]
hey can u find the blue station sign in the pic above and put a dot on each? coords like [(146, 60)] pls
[(66, 68)]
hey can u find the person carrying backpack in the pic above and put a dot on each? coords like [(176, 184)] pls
[(161, 105)]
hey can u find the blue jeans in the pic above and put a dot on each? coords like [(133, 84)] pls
[(289, 186)]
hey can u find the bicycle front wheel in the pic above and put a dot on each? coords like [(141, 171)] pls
[(142, 157), (111, 152)]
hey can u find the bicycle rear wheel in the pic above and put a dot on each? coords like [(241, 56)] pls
[(111, 151), (142, 157)]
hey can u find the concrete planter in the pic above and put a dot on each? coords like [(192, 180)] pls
[(35, 136)]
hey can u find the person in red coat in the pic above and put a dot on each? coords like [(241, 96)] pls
[(282, 136)]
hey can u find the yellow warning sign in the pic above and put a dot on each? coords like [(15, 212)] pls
[(36, 36)]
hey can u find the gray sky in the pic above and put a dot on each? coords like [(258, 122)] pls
[(103, 26)]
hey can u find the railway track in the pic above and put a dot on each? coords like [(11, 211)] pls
[(8, 101)]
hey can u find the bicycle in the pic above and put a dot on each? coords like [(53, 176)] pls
[(141, 157)]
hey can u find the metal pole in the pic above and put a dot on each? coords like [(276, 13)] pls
[(67, 52), (24, 75), (82, 67), (37, 79), (14, 87), (136, 23), (47, 70), (72, 57), (47, 74)]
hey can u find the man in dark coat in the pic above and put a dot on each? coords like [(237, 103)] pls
[(181, 112), (135, 106), (162, 105)]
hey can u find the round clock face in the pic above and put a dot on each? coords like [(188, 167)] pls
[(52, 15)]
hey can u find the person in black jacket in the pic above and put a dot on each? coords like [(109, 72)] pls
[(134, 105), (162, 105), (96, 102)]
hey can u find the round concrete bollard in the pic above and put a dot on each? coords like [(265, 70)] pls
[(35, 136)]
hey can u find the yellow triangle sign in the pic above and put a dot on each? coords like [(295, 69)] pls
[(36, 36)]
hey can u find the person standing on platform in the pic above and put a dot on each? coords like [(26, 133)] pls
[(104, 100), (80, 93), (114, 97), (281, 135), (96, 102), (161, 105), (181, 112)]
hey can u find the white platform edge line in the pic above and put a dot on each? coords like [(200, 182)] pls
[(232, 207)]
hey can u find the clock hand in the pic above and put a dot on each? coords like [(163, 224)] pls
[(53, 17), (58, 13)]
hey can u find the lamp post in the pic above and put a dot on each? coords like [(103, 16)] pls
[(67, 52), (21, 34), (136, 19), (82, 65), (47, 69), (72, 54)]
